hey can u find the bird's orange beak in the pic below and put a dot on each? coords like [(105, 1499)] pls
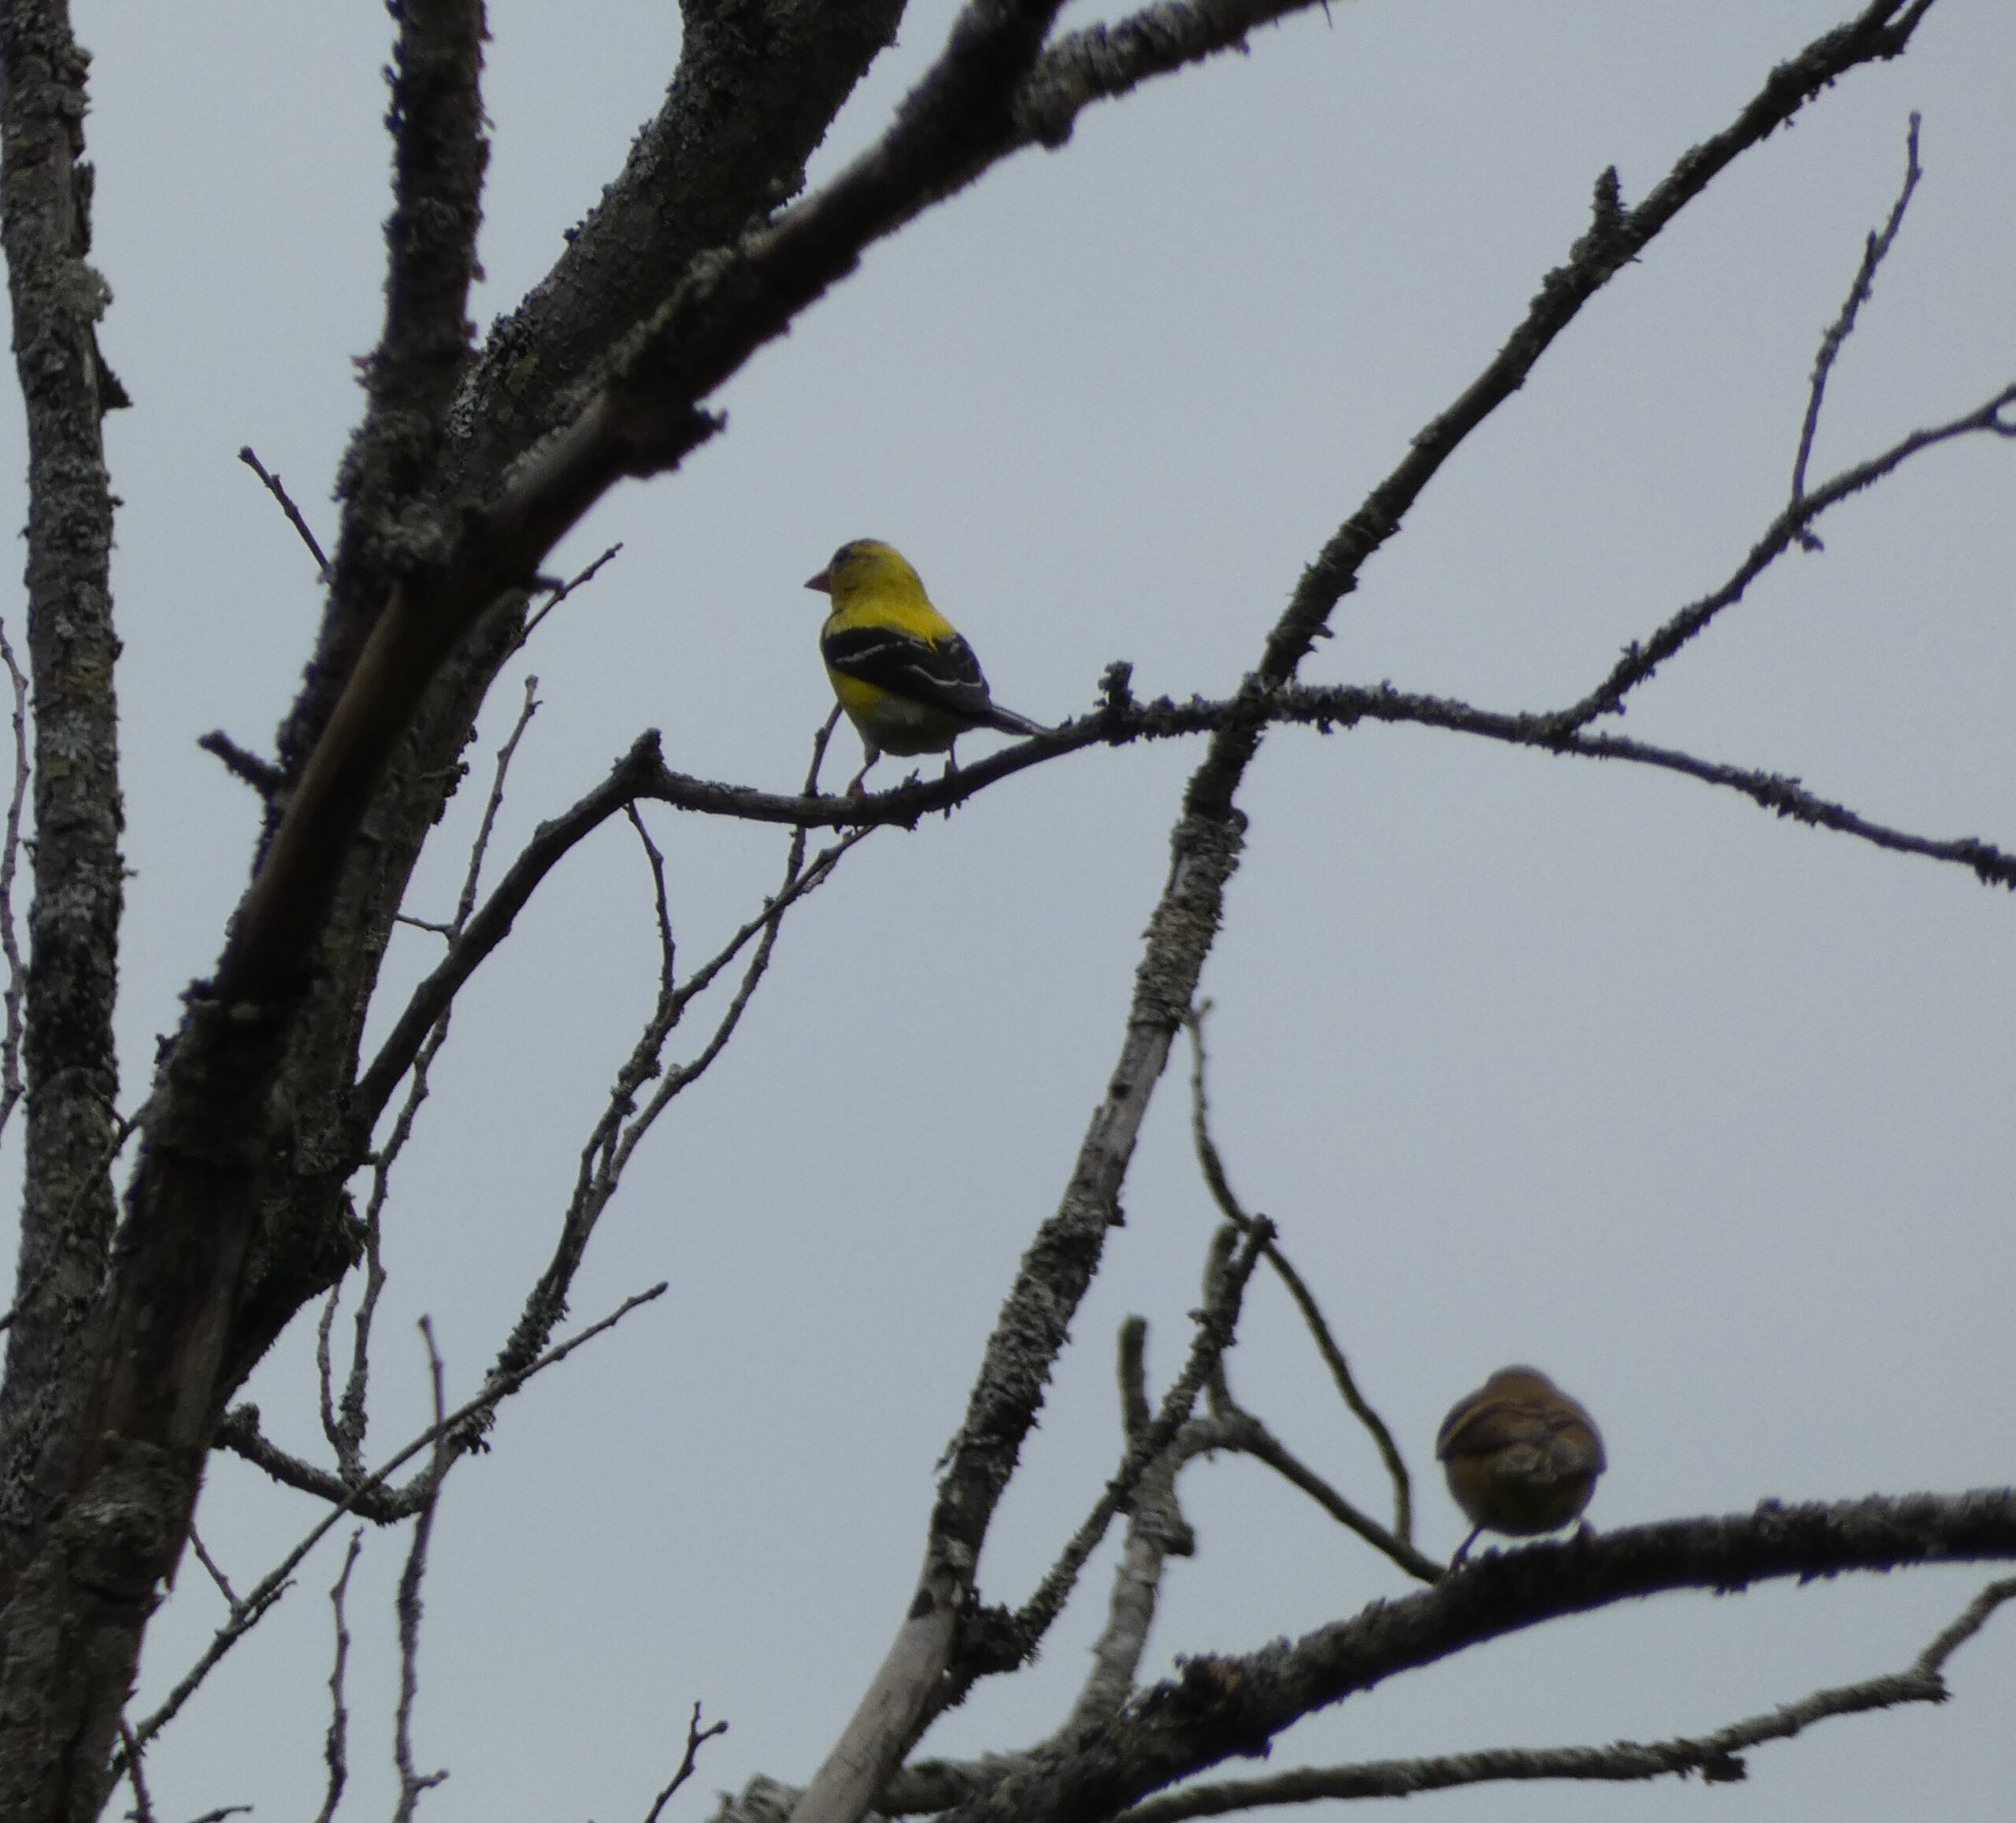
[(823, 582)]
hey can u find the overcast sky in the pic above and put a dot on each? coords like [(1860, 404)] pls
[(1708, 1114)]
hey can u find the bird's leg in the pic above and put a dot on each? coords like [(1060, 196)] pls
[(951, 771), (871, 752), (1462, 1550)]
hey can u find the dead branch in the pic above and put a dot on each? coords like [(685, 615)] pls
[(143, 1809), (1220, 1184), (696, 1738), (408, 1604), (262, 776), (1216, 1326), (1156, 1531), (278, 1582), (560, 592), (1221, 1707), (293, 518), (1714, 1756), (1792, 528), (345, 1424), (486, 928), (336, 1744), (1874, 252), (622, 1125), (223, 1582)]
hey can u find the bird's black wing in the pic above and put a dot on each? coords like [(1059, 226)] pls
[(942, 674)]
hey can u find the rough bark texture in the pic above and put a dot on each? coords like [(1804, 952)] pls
[(1221, 1708), (68, 1211)]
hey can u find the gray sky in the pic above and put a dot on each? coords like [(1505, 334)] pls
[(1705, 1113)]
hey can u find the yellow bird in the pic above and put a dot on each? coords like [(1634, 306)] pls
[(1522, 1457), (909, 683)]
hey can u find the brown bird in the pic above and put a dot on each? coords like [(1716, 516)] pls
[(1522, 1457)]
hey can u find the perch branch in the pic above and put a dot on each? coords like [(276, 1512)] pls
[(1714, 1756)]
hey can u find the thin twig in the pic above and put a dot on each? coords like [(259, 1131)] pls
[(1874, 252), (661, 904), (1220, 1184), (1156, 1532), (277, 1582), (262, 775), (1217, 1325), (1642, 659), (408, 1604), (551, 842), (335, 1754), (143, 1809), (560, 594), (1714, 1757), (696, 1738), (465, 900), (622, 1126), (345, 1431), (231, 1600), (1232, 1427), (288, 507), (239, 1431)]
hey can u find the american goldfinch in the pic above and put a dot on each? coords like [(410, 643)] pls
[(1522, 1457), (909, 683)]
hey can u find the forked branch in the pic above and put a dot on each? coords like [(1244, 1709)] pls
[(1715, 1756)]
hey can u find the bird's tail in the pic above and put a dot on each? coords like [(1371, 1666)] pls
[(1008, 722)]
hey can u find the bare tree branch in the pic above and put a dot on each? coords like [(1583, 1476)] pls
[(488, 927), (1156, 1531), (1105, 61), (580, 580), (223, 1582), (1220, 1185), (1843, 327), (1790, 528), (239, 1431), (1221, 1707), (696, 1738), (279, 1580), (336, 1744), (412, 1783), (1714, 1757), (1785, 797), (440, 153), (143, 1809), (262, 776), (622, 1125), (1217, 1323), (273, 485), (1232, 1427), (344, 1422)]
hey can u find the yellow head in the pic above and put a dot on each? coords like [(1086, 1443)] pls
[(867, 567)]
